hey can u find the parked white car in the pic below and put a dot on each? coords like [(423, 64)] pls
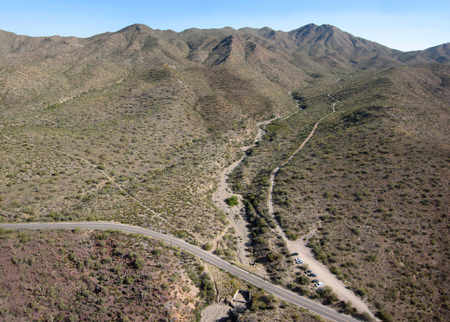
[(298, 260)]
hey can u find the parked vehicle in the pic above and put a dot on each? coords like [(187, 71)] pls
[(298, 260), (318, 285)]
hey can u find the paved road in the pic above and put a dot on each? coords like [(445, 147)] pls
[(257, 281)]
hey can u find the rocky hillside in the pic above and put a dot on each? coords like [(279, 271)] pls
[(82, 276)]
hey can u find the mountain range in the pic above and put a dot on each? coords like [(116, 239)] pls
[(66, 66)]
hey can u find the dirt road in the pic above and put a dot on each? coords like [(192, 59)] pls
[(234, 215), (299, 246)]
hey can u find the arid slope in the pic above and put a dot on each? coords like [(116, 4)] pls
[(371, 190)]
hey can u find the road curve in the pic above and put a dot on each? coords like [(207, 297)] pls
[(257, 281)]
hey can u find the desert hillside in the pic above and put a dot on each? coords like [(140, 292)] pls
[(137, 126)]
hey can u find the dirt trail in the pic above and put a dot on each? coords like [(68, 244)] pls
[(234, 215), (299, 246)]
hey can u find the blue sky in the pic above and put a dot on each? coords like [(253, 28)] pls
[(400, 24)]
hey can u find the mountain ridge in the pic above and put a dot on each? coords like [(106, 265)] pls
[(263, 30), (270, 62)]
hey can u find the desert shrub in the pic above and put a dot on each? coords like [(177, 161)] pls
[(384, 316), (156, 252), (291, 235), (261, 301), (302, 280), (273, 257), (137, 263), (207, 246), (360, 292), (363, 316), (206, 288), (128, 280), (232, 201), (326, 293), (297, 96)]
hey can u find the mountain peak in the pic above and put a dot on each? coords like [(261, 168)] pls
[(135, 28), (328, 27), (307, 29), (267, 32), (309, 26)]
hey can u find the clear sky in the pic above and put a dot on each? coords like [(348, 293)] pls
[(399, 24)]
